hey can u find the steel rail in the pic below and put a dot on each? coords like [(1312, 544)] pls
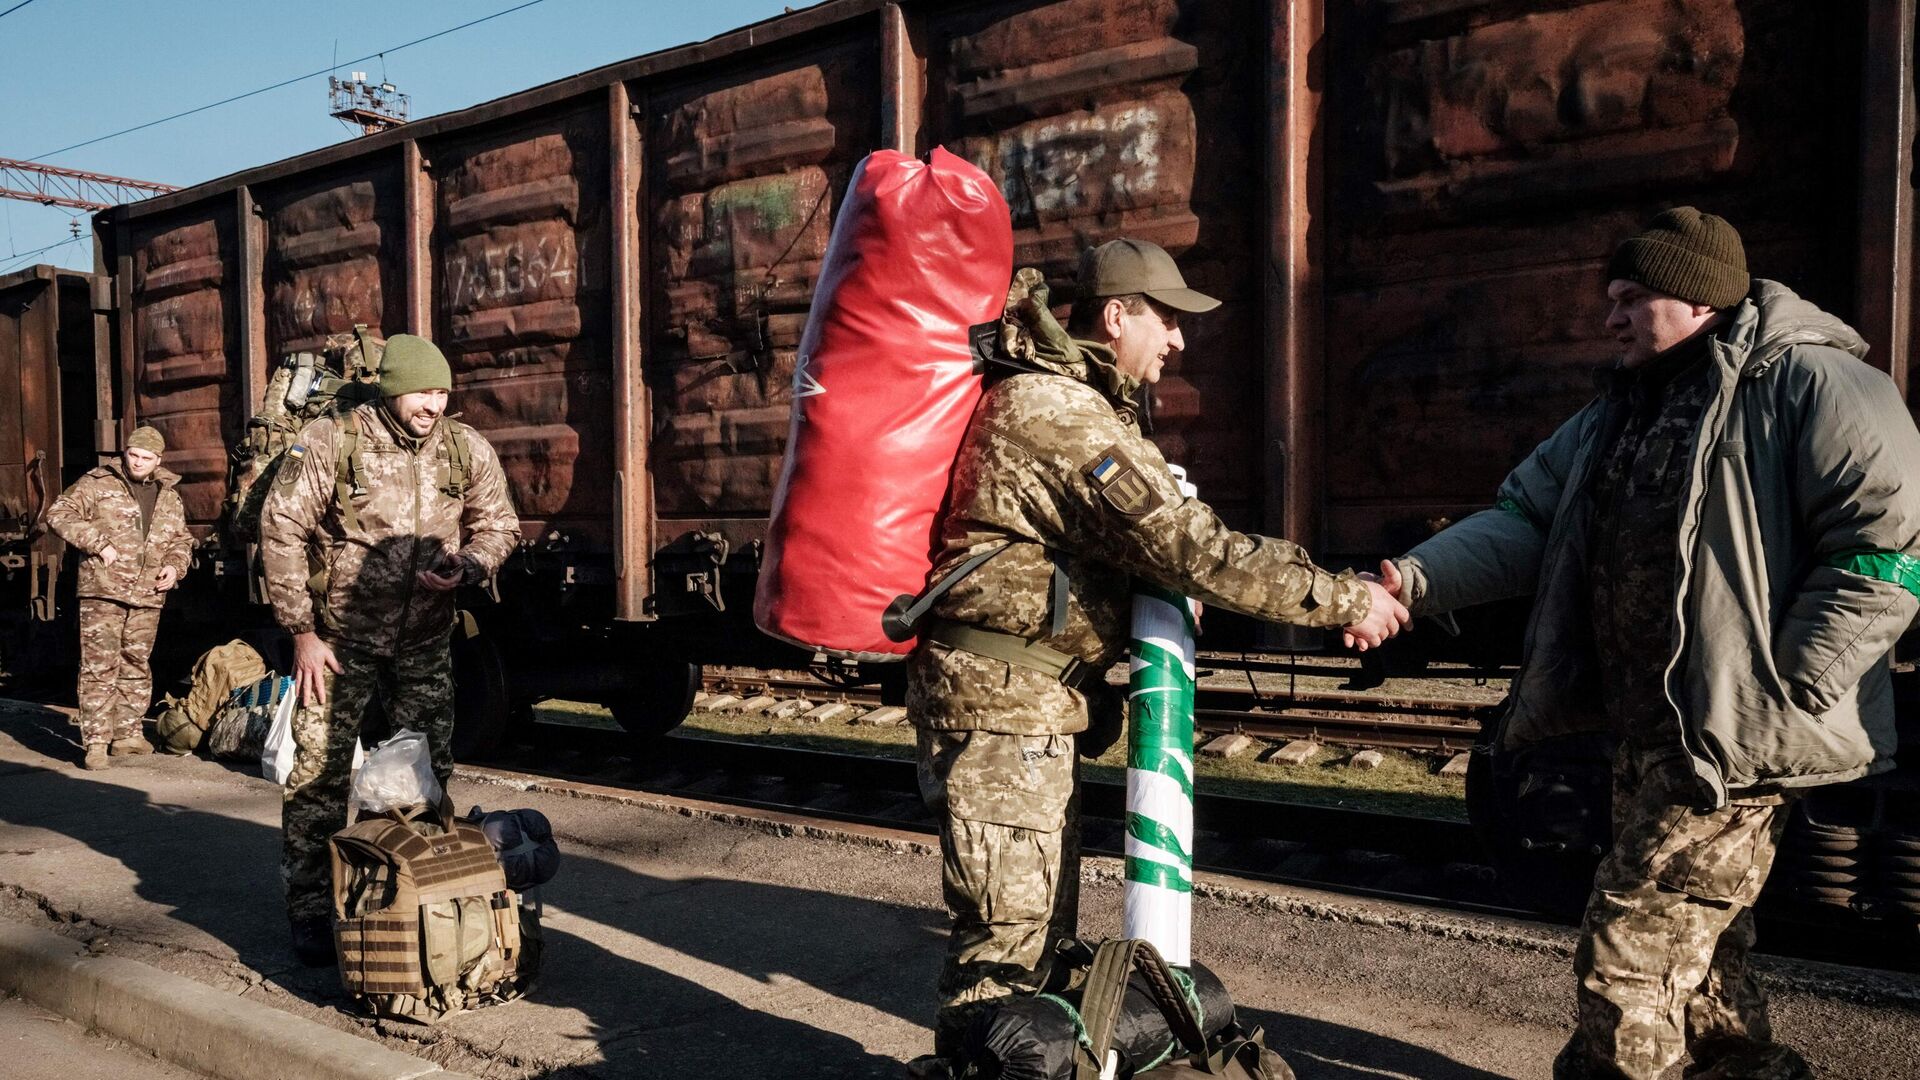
[(1347, 719)]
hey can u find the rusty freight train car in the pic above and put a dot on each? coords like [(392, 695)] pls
[(54, 346), (1405, 204)]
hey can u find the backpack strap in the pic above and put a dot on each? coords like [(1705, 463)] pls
[(457, 452), (349, 474), (1104, 995)]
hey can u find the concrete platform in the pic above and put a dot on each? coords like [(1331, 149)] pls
[(688, 938)]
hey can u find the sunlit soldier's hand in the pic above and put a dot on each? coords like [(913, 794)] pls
[(165, 579), (1385, 617), (108, 555), (312, 659)]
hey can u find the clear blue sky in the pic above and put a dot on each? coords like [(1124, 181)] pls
[(71, 70)]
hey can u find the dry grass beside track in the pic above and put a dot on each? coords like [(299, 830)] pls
[(1403, 784)]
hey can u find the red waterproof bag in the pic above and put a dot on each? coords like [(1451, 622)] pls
[(885, 384)]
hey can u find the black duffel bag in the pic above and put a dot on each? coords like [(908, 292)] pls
[(1155, 1021), (523, 842)]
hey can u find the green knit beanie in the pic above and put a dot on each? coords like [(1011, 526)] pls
[(1686, 254), (148, 438), (412, 364)]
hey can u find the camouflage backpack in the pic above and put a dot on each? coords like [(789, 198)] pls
[(305, 387)]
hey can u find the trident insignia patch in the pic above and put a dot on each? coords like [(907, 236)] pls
[(1121, 484)]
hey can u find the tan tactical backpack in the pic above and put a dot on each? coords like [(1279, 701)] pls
[(305, 387), (216, 675), (423, 921)]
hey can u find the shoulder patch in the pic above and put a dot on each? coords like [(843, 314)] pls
[(288, 471), (1121, 483)]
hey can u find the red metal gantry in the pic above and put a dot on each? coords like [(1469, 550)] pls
[(50, 185)]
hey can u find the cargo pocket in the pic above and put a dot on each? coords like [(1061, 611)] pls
[(1020, 781), (1722, 856), (454, 935)]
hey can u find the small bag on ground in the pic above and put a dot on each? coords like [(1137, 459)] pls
[(423, 921), (523, 841), (1153, 1020)]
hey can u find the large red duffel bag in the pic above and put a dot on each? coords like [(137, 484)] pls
[(885, 383)]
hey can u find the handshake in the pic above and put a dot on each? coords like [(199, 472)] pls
[(1386, 615)]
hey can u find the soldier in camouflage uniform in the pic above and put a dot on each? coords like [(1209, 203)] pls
[(1740, 483), (127, 520), (374, 520), (1056, 487)]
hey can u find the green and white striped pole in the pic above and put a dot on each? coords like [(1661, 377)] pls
[(1158, 900)]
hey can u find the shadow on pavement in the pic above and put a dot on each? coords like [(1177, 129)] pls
[(220, 874), (723, 939), (1319, 1050)]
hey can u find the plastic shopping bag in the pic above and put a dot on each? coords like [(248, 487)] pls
[(398, 773), (276, 753)]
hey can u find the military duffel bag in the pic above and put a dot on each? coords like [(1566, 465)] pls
[(1127, 1014), (423, 922)]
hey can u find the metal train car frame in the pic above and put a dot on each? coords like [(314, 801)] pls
[(1405, 204)]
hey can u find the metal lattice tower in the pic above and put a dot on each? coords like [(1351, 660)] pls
[(73, 188)]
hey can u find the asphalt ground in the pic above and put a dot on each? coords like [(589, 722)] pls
[(689, 939)]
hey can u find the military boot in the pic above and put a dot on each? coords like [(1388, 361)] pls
[(130, 746), (96, 756), (313, 941)]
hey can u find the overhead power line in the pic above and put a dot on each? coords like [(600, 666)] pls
[(14, 8), (27, 256), (284, 82)]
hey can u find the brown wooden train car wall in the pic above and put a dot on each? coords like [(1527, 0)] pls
[(520, 292), (746, 171), (1485, 160), (186, 367), (333, 256), (1101, 119), (1405, 204)]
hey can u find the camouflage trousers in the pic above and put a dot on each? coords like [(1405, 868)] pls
[(116, 686), (416, 691), (1008, 807), (1663, 961)]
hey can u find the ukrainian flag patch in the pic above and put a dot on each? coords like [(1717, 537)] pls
[(1121, 483)]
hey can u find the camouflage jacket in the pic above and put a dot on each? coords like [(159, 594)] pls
[(100, 511), (351, 577), (1054, 467)]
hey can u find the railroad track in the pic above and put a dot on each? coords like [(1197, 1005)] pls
[(1431, 725), (1426, 861)]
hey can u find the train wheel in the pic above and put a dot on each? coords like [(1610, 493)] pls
[(481, 706), (658, 695)]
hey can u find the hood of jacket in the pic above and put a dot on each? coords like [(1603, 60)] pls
[(1774, 318)]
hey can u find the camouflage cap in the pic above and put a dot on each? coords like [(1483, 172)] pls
[(148, 438), (1120, 267)]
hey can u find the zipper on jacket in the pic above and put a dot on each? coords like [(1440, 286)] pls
[(1683, 563)]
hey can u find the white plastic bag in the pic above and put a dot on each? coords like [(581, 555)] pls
[(276, 754), (398, 773)]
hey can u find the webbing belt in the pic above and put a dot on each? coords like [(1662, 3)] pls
[(1016, 650)]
